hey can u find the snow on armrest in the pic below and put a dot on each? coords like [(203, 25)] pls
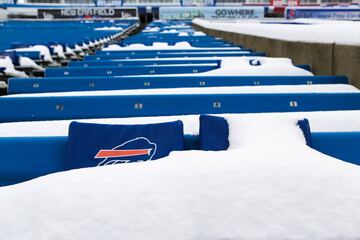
[(215, 131)]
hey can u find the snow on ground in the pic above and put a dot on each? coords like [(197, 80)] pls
[(257, 190), (314, 30), (315, 88), (327, 121)]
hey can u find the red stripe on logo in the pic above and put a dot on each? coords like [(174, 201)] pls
[(122, 153)]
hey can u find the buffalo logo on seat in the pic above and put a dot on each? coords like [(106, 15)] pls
[(135, 150)]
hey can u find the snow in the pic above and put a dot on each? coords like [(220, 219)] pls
[(268, 185), (178, 26), (69, 51), (109, 29), (26, 62), (199, 33), (274, 191), (150, 29), (180, 33), (84, 46), (10, 68), (327, 121), (314, 30), (77, 48), (44, 51), (3, 85), (5, 62), (170, 31), (183, 34), (264, 130), (160, 46), (58, 50), (240, 66), (92, 44), (321, 88)]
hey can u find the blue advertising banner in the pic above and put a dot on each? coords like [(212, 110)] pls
[(349, 13), (189, 13)]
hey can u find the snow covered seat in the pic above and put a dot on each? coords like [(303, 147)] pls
[(8, 68), (35, 36), (44, 51), (22, 62), (214, 132), (47, 153), (44, 143), (34, 55), (246, 193)]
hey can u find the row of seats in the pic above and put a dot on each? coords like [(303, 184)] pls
[(168, 69), (26, 47)]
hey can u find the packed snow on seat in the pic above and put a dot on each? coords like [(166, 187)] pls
[(241, 66), (44, 51), (326, 121), (315, 88), (26, 62), (9, 68), (161, 46), (273, 190), (113, 28)]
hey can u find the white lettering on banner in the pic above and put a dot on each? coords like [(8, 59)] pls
[(187, 13), (87, 12), (233, 12)]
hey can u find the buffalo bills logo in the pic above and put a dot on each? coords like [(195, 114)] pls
[(135, 150)]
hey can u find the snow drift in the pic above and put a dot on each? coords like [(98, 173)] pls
[(271, 191)]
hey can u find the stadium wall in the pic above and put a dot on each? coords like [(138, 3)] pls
[(325, 59)]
